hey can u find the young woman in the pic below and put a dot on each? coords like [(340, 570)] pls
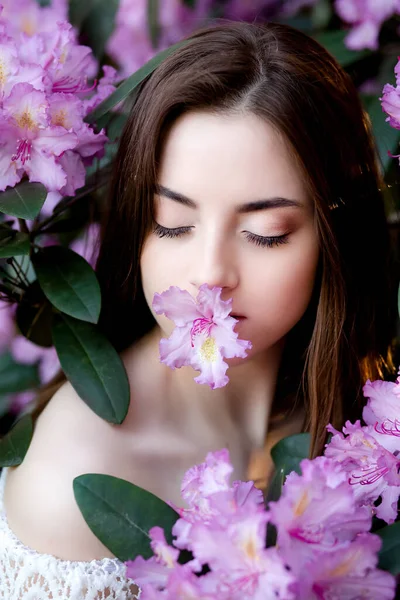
[(247, 163)]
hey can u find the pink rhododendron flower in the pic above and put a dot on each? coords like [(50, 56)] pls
[(44, 97), (316, 512), (19, 401), (372, 470), (390, 101), (348, 573), (37, 143), (383, 412), (203, 335), (367, 17)]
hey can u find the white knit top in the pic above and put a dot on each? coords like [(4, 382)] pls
[(28, 575)]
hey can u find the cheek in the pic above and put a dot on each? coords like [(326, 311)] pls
[(285, 289)]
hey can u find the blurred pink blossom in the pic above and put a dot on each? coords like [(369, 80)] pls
[(26, 352), (130, 45), (367, 17), (7, 324), (87, 244)]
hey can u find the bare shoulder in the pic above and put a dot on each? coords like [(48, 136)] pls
[(69, 440)]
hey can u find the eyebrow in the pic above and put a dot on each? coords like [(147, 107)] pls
[(267, 203)]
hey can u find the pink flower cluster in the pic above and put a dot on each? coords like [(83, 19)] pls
[(44, 97), (370, 454), (323, 550), (367, 17), (130, 44)]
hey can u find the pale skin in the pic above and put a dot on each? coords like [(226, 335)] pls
[(218, 163)]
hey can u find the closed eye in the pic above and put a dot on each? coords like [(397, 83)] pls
[(258, 240)]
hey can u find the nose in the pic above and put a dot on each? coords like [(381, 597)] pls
[(216, 265)]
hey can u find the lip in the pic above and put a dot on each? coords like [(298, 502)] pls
[(238, 317)]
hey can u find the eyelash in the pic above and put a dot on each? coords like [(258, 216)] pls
[(258, 240)]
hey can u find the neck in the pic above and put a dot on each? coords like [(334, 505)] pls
[(244, 402)]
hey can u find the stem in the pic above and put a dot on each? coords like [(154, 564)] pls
[(58, 211), (23, 227)]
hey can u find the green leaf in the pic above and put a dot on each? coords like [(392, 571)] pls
[(321, 14), (23, 201), (290, 451), (333, 41), (78, 11), (93, 367), (127, 86), (152, 22), (98, 25), (16, 244), (389, 555), (14, 445), (190, 3), (386, 137), (68, 282), (35, 316), (121, 514), (16, 377)]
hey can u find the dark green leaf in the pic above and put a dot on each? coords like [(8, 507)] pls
[(321, 14), (152, 22), (17, 244), (35, 316), (389, 556), (93, 367), (44, 2), (23, 201), (190, 3), (99, 24), (398, 300), (79, 10), (15, 377), (127, 86), (290, 451), (121, 514), (14, 445), (68, 282), (333, 41)]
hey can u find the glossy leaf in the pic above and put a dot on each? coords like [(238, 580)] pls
[(389, 555), (93, 367), (24, 200), (16, 377), (129, 84), (121, 514), (16, 244), (287, 455), (14, 445), (68, 282), (290, 451)]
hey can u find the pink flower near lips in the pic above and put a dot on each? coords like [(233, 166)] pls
[(203, 335)]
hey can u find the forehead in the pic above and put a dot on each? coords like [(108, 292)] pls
[(229, 158)]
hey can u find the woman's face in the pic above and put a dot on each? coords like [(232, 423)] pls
[(238, 204)]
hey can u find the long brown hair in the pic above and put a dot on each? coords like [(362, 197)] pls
[(285, 77)]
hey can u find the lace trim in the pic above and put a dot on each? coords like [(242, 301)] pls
[(22, 567)]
